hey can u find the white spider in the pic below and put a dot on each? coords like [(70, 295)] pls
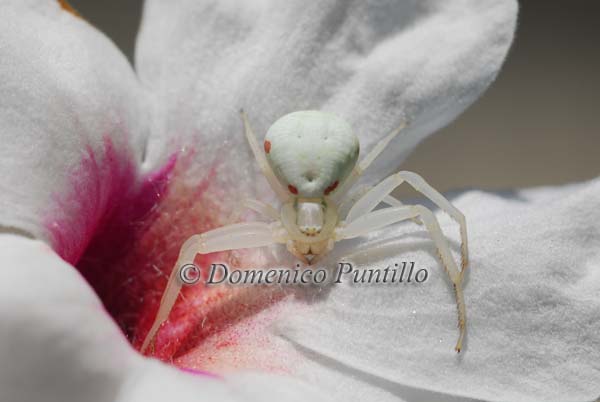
[(310, 161)]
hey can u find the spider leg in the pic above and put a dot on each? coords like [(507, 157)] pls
[(261, 159), (239, 235), (260, 207), (394, 202), (348, 202), (365, 162), (371, 199), (387, 216)]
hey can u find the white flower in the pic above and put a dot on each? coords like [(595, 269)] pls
[(111, 169)]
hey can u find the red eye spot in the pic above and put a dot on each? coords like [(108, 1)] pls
[(267, 146), (293, 189), (331, 187)]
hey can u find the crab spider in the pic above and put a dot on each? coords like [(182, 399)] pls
[(310, 161)]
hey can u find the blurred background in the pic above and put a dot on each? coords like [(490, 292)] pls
[(538, 124)]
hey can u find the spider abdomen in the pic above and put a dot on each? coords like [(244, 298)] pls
[(311, 152)]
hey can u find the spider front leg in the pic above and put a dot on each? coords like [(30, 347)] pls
[(257, 206), (379, 193), (236, 236), (261, 159), (348, 203), (365, 163), (375, 220)]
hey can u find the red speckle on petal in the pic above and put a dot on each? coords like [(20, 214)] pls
[(267, 146), (224, 344), (331, 187), (293, 189), (124, 232)]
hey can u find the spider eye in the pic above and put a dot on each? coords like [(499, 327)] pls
[(292, 189)]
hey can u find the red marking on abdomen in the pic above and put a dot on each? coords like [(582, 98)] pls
[(292, 189), (267, 146), (331, 187)]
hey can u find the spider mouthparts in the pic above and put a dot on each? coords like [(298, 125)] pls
[(309, 258)]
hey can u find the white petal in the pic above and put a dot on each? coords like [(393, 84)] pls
[(55, 332), (66, 90), (57, 343), (373, 63), (72, 137), (532, 307), (69, 123)]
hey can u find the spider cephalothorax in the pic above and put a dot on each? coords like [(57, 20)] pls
[(310, 160)]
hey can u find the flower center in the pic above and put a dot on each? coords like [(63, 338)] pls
[(131, 254)]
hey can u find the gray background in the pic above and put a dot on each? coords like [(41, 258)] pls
[(537, 125)]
